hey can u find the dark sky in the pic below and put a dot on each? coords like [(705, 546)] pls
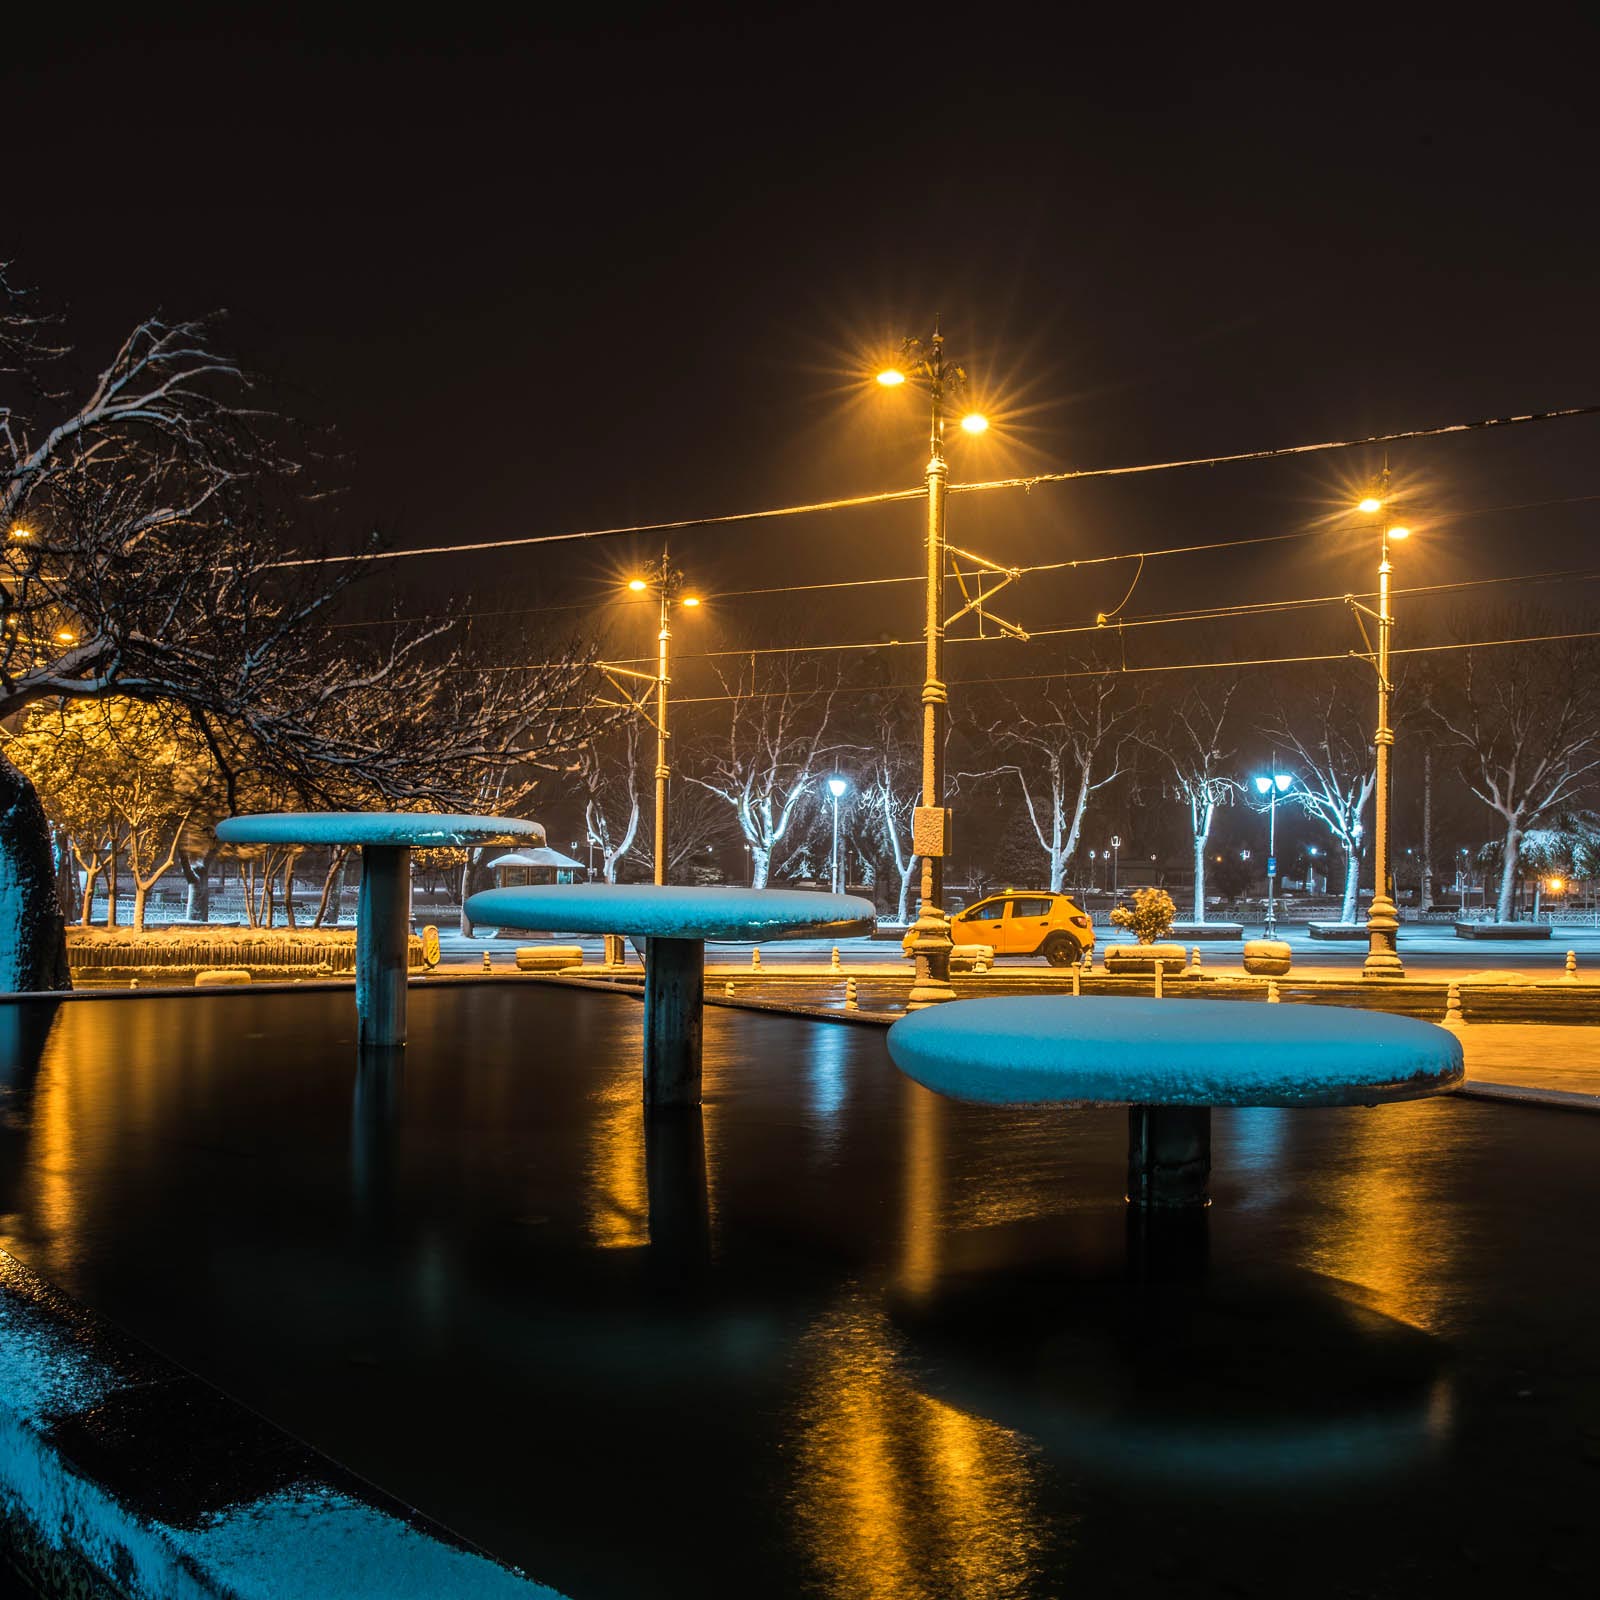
[(635, 268)]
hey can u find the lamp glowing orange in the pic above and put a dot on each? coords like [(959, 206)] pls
[(1370, 504), (638, 585), (975, 422), (691, 599), (1399, 533), (67, 636), (891, 377)]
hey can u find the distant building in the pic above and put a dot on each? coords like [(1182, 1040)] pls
[(543, 865)]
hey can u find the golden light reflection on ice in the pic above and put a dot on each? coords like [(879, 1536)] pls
[(897, 1494), (617, 1199)]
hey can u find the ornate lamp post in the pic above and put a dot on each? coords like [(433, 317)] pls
[(930, 828), (1383, 920)]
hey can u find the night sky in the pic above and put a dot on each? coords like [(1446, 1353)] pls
[(634, 269)]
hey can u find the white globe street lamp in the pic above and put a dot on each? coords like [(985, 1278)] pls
[(1269, 787), (837, 788)]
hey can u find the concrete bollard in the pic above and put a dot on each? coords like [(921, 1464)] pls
[(980, 962), (1194, 959), (1160, 974), (755, 959), (1572, 966), (1453, 1015), (1272, 992), (1088, 959), (727, 989), (1077, 980), (833, 960), (850, 1001), (488, 965), (133, 983)]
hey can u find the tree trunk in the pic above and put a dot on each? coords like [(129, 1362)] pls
[(91, 876), (66, 875), (1425, 889), (33, 932), (1352, 877), (333, 879), (1511, 860), (908, 876), (288, 887), (1199, 877), (111, 886), (760, 860), (198, 877), (140, 895), (466, 890)]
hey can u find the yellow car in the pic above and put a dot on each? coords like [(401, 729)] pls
[(1028, 922)]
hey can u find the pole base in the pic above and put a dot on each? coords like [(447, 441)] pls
[(1169, 1157), (931, 949), (1382, 962), (1383, 931)]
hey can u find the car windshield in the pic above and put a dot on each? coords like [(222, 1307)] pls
[(989, 911)]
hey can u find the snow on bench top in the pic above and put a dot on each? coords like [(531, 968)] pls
[(420, 829), (1034, 1050), (651, 911)]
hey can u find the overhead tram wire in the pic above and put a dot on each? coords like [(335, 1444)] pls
[(1231, 611), (890, 496)]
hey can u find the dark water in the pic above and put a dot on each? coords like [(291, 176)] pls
[(835, 1337)]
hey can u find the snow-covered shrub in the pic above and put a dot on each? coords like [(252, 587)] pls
[(1150, 918)]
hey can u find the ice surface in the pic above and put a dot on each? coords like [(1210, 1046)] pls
[(417, 828), (649, 911), (1029, 1050)]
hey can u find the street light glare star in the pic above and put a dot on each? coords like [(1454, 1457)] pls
[(1370, 504), (1399, 533), (691, 600), (891, 377), (975, 422), (638, 585), (67, 636)]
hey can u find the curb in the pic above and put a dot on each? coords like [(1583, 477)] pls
[(122, 1473)]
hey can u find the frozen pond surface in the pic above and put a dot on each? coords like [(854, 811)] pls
[(834, 1336)]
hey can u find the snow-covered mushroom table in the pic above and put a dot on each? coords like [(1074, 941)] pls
[(1169, 1062), (675, 924), (383, 909)]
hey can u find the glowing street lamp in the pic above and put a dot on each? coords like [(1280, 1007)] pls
[(666, 582), (930, 828), (1269, 786), (837, 788)]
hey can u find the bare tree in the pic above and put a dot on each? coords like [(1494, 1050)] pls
[(609, 771), (700, 823), (767, 762), (891, 786), (1527, 723), (1196, 747), (1323, 727), (1068, 741), (145, 557)]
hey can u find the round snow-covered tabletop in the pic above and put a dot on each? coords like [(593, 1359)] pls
[(397, 829), (1058, 1050), (652, 911)]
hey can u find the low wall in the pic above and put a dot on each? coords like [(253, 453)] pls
[(122, 1474), (1502, 930)]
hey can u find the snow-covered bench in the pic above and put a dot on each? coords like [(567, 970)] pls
[(383, 911), (675, 924), (1169, 1062)]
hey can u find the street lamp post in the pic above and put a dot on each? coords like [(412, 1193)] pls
[(836, 787), (1272, 785), (1383, 920), (666, 583), (930, 828), (1116, 845)]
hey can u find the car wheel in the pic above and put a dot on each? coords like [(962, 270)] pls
[(1060, 951)]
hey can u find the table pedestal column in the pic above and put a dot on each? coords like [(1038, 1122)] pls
[(1169, 1155), (674, 1006), (383, 930)]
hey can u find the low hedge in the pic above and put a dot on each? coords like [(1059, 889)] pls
[(308, 949)]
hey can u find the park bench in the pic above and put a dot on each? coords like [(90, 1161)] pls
[(675, 924), (1170, 1062)]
